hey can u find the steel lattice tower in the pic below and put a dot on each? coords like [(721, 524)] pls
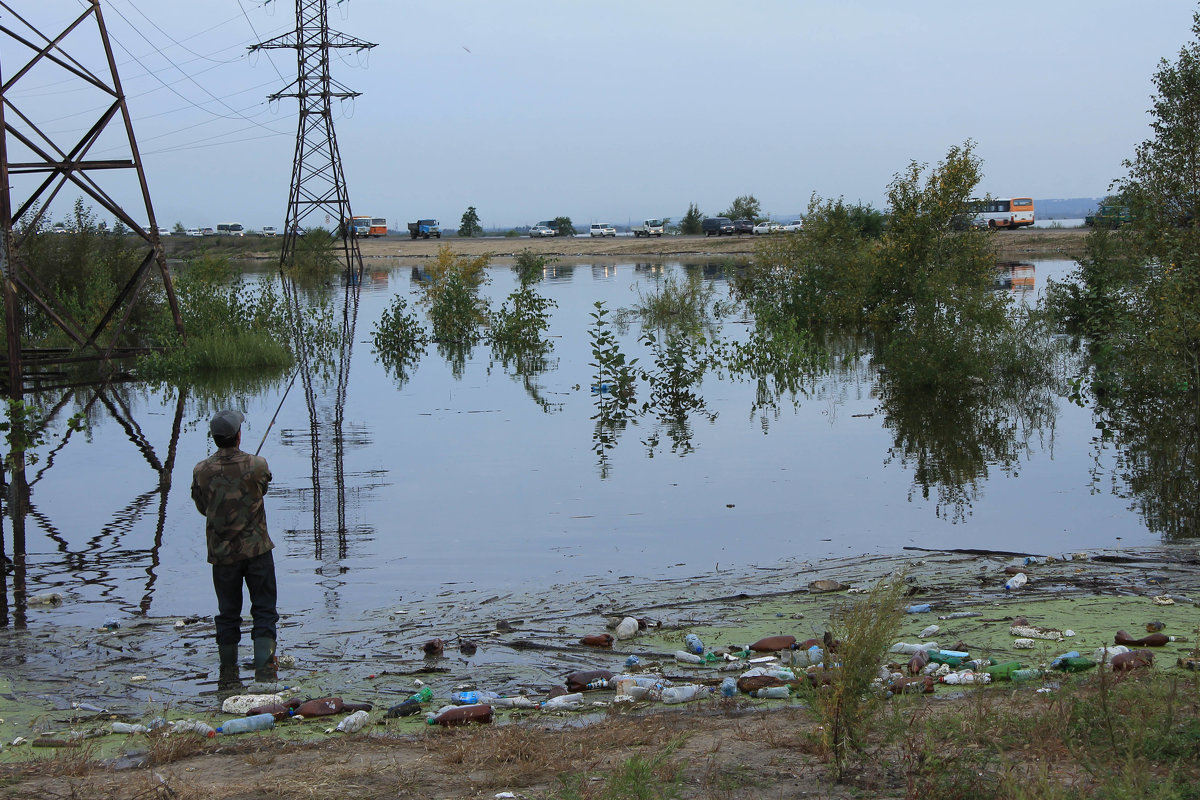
[(318, 183)]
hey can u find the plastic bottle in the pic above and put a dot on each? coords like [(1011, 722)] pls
[(1059, 659), (472, 698), (597, 640), (193, 726), (907, 649), (1020, 675), (1003, 672), (960, 615), (941, 657), (682, 694), (1016, 582), (772, 644), (693, 644), (564, 701), (321, 707), (632, 661), (519, 701), (773, 692), (353, 723), (1134, 659), (728, 687), (129, 727), (1152, 640), (966, 678), (588, 679), (688, 658), (259, 722), (279, 710), (918, 662), (627, 628), (929, 631), (405, 709), (462, 715), (423, 696), (919, 608), (1075, 664)]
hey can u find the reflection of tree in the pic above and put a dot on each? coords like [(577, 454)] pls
[(1157, 440), (951, 432)]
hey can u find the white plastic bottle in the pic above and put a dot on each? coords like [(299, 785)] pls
[(1016, 581), (965, 678), (682, 694), (353, 723), (192, 726), (685, 657), (773, 692), (129, 727), (627, 628), (564, 701)]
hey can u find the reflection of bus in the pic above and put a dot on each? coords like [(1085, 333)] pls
[(230, 229), (364, 225), (1010, 212)]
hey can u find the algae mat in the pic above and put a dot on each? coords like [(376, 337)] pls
[(60, 681)]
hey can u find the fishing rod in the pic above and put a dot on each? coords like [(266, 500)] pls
[(277, 410)]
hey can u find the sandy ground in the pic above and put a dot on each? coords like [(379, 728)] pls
[(732, 749), (1014, 245)]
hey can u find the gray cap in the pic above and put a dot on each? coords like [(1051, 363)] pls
[(227, 423)]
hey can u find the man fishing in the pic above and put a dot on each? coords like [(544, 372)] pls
[(228, 489)]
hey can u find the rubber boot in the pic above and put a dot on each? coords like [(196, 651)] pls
[(228, 676), (265, 663)]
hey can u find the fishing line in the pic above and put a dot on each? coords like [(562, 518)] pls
[(277, 410)]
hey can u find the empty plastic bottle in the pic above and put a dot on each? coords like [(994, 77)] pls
[(588, 679), (693, 644), (1075, 664), (1020, 675), (965, 678), (258, 722), (472, 698), (353, 723), (193, 726), (129, 727), (632, 661), (919, 608), (564, 701), (773, 692), (519, 701), (423, 696), (682, 694), (773, 644), (461, 715), (1016, 581), (728, 687), (688, 658), (627, 628), (405, 709), (929, 631), (908, 649), (1003, 672)]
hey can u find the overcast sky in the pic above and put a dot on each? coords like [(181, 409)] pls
[(620, 110)]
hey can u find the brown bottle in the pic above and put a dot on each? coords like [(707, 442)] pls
[(773, 643), (918, 685), (588, 679), (918, 662), (277, 710), (463, 715), (597, 640), (1152, 640), (1134, 659), (755, 682), (322, 707)]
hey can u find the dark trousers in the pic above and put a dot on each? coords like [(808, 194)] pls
[(258, 573)]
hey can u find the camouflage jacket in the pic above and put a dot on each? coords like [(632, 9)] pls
[(228, 489)]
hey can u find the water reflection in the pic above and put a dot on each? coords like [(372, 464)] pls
[(1017, 278)]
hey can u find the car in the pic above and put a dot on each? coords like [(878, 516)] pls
[(743, 226), (268, 230), (603, 229), (717, 226), (765, 227), (193, 231), (792, 227), (540, 230)]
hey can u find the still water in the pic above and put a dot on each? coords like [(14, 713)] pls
[(387, 490)]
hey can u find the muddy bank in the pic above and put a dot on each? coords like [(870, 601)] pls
[(59, 681)]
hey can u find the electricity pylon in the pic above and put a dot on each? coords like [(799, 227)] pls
[(51, 160), (318, 184)]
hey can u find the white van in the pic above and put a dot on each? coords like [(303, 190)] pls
[(230, 229), (603, 229)]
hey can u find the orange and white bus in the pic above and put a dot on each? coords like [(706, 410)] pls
[(1009, 212), (368, 226)]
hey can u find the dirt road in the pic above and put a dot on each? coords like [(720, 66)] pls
[(1011, 245)]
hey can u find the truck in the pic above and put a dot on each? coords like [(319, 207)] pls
[(364, 225), (425, 228), (649, 227)]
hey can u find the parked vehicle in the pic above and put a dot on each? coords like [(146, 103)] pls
[(207, 232), (230, 229), (194, 232), (765, 227), (1014, 212), (364, 226), (1109, 215), (425, 228), (268, 231), (541, 230), (792, 227), (603, 229), (717, 226), (648, 228), (743, 226)]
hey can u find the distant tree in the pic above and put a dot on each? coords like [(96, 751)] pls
[(469, 226), (179, 230), (744, 207), (563, 226), (690, 224)]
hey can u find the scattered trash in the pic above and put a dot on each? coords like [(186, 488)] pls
[(929, 631), (193, 726), (919, 608), (773, 692), (960, 615), (452, 716), (1024, 644), (111, 624), (1016, 582), (728, 687), (597, 640), (632, 661), (773, 644), (1150, 640), (826, 585), (627, 628), (683, 694), (406, 709), (47, 599), (129, 727), (564, 701), (685, 657), (693, 644), (1131, 660), (966, 677), (588, 679), (1034, 632)]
